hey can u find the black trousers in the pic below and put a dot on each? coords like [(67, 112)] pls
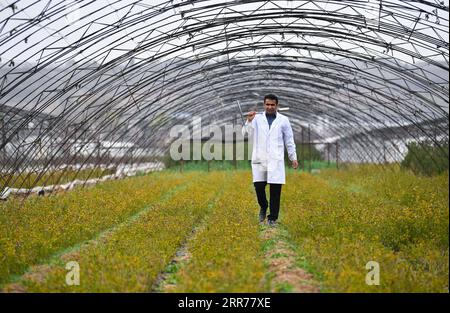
[(275, 195)]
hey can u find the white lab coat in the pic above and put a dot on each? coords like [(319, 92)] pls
[(268, 147)]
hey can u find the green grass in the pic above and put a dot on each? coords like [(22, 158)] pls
[(241, 165), (284, 287)]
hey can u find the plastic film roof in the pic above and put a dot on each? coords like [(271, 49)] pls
[(365, 74)]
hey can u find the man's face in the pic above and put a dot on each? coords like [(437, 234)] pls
[(270, 106)]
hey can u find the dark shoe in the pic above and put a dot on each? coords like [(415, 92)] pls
[(262, 216), (271, 223)]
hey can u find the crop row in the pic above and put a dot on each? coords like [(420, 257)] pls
[(393, 184), (33, 230), (129, 258), (341, 229), (226, 253)]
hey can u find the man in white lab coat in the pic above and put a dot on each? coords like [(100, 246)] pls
[(271, 132)]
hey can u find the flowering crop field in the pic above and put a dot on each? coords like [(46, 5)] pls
[(198, 231)]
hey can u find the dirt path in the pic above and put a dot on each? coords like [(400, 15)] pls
[(167, 280), (284, 273)]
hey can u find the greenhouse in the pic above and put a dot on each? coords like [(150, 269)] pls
[(95, 97)]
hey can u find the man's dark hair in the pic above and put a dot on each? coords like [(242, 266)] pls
[(271, 97)]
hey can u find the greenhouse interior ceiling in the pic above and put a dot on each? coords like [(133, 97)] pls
[(96, 83)]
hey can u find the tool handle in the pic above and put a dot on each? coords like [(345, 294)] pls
[(280, 109)]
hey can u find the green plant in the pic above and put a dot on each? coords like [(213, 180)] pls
[(426, 159)]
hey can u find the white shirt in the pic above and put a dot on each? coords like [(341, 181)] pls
[(268, 147)]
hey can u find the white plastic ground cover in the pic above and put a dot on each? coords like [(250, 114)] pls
[(123, 170), (57, 167)]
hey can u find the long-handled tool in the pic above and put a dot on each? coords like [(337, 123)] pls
[(279, 110), (246, 113), (240, 109)]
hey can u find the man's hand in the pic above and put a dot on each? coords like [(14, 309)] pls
[(251, 116), (295, 164)]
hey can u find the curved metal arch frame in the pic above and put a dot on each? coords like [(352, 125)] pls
[(216, 92)]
